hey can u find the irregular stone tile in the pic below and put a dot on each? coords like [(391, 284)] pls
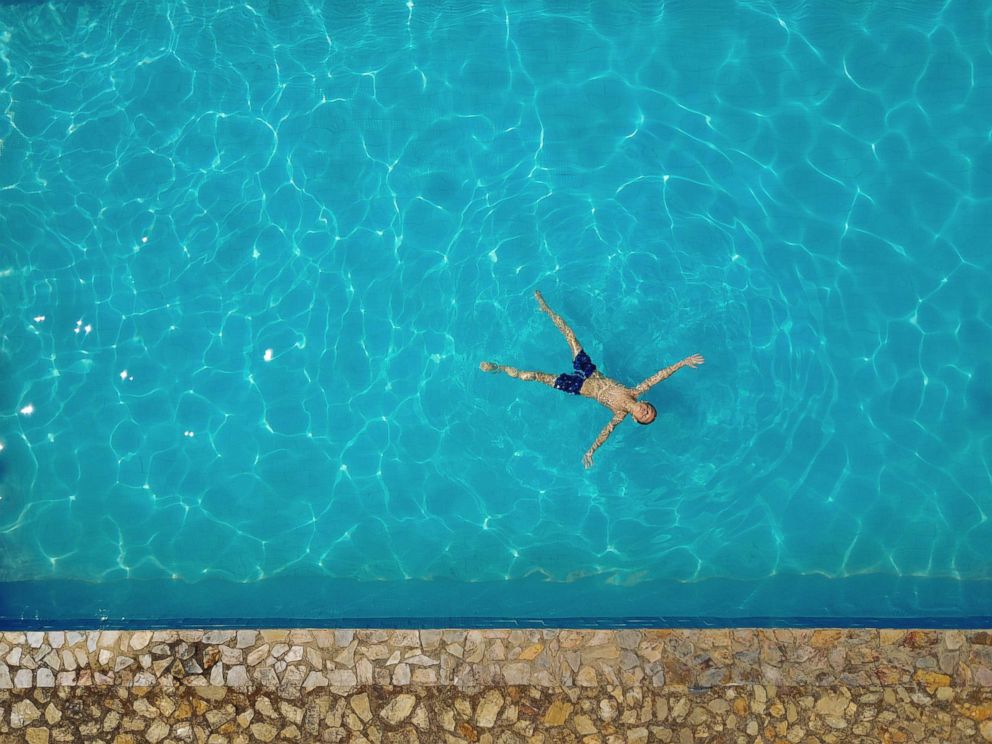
[(398, 708), (292, 681), (22, 713), (315, 679), (264, 732), (266, 677), (360, 704), (215, 637), (488, 709), (123, 662), (314, 658), (405, 638), (157, 731), (343, 678), (425, 676), (140, 639), (557, 713), (258, 655), (347, 656), (237, 676), (430, 639), (108, 638), (37, 735), (295, 653), (14, 657), (291, 712), (363, 671), (517, 673), (300, 635)]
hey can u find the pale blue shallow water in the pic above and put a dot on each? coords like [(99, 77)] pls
[(251, 255)]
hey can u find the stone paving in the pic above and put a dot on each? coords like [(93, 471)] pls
[(496, 686)]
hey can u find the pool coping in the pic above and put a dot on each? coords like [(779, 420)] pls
[(496, 686), (308, 658)]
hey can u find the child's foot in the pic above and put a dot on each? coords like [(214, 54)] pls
[(487, 366)]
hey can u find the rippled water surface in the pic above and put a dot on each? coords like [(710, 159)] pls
[(251, 255)]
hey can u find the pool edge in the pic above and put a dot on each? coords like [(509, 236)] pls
[(631, 686)]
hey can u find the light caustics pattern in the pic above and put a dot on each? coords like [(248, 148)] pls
[(252, 253)]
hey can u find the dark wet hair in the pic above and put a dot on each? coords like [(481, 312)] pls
[(653, 410)]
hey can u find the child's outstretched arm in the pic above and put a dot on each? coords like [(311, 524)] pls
[(694, 361), (603, 436)]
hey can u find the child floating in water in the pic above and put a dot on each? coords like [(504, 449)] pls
[(591, 383)]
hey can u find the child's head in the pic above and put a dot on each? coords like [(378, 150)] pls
[(644, 413)]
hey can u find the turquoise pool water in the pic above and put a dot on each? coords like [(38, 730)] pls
[(251, 255)]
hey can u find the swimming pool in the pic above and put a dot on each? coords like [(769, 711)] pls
[(251, 255)]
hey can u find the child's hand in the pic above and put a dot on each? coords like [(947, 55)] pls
[(587, 460), (694, 361)]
